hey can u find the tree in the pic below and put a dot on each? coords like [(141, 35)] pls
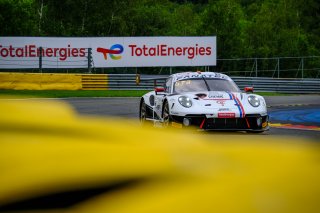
[(185, 21), (17, 18), (226, 20), (275, 30)]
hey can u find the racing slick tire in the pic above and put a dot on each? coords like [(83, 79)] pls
[(143, 112), (166, 114)]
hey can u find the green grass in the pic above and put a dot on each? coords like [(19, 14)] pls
[(70, 93), (88, 93)]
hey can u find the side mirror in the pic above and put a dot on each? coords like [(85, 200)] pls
[(248, 89), (159, 89)]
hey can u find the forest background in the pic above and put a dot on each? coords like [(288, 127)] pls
[(244, 28)]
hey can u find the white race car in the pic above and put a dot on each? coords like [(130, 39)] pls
[(206, 100)]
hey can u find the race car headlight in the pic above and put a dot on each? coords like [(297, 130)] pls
[(185, 101), (254, 100)]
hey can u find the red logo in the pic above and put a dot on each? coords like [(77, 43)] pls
[(226, 115), (116, 49)]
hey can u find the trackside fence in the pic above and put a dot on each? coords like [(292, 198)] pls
[(275, 67), (53, 81), (260, 84), (41, 61)]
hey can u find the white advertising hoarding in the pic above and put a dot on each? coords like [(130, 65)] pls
[(72, 52)]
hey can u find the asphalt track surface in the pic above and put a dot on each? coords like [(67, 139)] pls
[(294, 116)]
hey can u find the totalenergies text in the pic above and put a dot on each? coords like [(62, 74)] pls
[(165, 50), (34, 51)]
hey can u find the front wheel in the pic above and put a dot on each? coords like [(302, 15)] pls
[(166, 114), (143, 112)]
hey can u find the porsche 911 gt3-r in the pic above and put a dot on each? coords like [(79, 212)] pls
[(206, 100)]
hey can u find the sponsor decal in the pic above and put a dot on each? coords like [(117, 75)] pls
[(226, 115), (158, 50), (115, 49), (202, 75), (72, 52), (223, 109), (32, 51), (218, 97), (221, 102), (165, 50), (215, 95)]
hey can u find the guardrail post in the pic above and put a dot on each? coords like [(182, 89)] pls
[(278, 67), (138, 79), (302, 65), (89, 59), (256, 67), (40, 59)]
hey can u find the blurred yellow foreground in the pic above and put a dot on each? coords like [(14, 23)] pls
[(52, 160)]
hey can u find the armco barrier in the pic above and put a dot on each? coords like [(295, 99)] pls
[(128, 82), (45, 81), (37, 81), (94, 81), (280, 85)]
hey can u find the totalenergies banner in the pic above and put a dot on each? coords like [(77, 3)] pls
[(73, 52)]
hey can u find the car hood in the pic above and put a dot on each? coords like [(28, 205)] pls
[(214, 95), (219, 100)]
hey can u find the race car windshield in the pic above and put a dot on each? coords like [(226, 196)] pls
[(214, 84)]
